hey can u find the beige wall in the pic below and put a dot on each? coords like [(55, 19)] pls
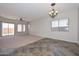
[(42, 27)]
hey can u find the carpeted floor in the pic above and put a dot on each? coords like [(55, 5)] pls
[(48, 47)]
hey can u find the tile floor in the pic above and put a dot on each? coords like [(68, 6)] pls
[(48, 47)]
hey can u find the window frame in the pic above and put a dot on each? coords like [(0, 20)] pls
[(58, 28), (18, 28), (22, 28), (8, 29)]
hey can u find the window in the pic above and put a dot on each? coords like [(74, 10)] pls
[(11, 29), (60, 25), (55, 23), (4, 29), (7, 29), (21, 28), (63, 23)]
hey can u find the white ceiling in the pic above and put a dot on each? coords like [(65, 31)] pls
[(32, 11)]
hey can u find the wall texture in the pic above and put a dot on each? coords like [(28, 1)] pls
[(42, 27)]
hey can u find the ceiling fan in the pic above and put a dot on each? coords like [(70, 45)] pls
[(22, 18)]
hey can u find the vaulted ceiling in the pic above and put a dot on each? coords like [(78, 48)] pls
[(32, 11)]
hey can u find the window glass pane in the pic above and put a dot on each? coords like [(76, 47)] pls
[(55, 23), (4, 29), (60, 25), (63, 23), (23, 28), (19, 28), (11, 29), (29, 26)]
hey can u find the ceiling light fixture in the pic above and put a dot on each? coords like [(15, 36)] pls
[(53, 12), (21, 18)]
